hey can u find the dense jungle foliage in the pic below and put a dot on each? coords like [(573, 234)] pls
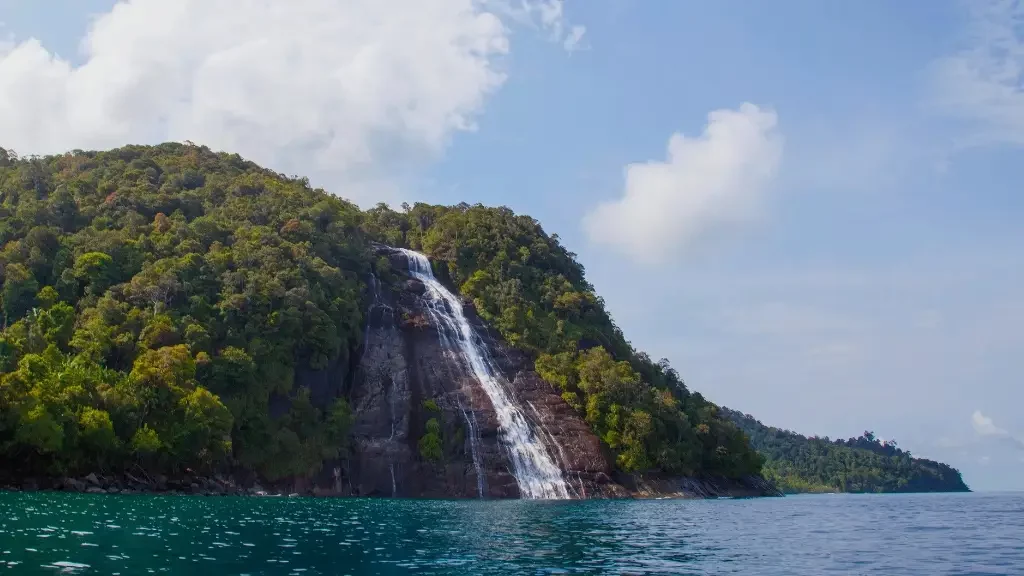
[(156, 300), (864, 464), (157, 303)]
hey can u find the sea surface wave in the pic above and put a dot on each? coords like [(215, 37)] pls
[(961, 534)]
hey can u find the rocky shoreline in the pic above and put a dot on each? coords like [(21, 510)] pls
[(128, 483), (634, 487)]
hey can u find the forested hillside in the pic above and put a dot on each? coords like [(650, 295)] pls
[(157, 304), (153, 301), (865, 464)]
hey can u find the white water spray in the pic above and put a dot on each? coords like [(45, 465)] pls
[(534, 469)]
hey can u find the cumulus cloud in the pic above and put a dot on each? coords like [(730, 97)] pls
[(981, 84), (985, 427), (344, 92), (702, 183)]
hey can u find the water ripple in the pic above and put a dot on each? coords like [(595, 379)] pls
[(969, 534)]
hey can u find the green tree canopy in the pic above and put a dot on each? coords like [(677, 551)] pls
[(154, 299), (863, 464)]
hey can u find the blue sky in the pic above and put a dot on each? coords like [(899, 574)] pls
[(845, 256)]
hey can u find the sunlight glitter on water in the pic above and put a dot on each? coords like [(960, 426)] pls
[(877, 534)]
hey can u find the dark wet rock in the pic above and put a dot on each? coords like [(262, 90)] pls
[(72, 485), (708, 487), (402, 366), (136, 482), (92, 479)]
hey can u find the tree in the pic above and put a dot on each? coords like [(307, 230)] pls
[(39, 430), (145, 442), (47, 297), (170, 367), (205, 431), (57, 324), (159, 331), (339, 422), (96, 271), (96, 433), (19, 291), (430, 442)]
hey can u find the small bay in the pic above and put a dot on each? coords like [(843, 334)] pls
[(843, 534)]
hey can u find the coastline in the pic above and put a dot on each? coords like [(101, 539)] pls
[(636, 487)]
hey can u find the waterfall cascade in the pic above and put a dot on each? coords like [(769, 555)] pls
[(533, 467)]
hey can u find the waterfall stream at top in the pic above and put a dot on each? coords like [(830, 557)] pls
[(535, 471)]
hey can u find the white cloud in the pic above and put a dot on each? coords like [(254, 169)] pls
[(548, 15), (704, 182), (982, 84), (984, 426), (347, 93), (573, 38)]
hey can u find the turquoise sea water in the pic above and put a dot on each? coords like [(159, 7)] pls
[(843, 534)]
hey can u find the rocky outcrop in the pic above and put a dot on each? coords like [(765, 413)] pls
[(646, 486), (128, 483), (403, 366)]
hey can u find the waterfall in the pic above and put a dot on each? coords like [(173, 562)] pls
[(534, 469), (394, 486), (474, 448)]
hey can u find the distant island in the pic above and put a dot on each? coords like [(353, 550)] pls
[(798, 464), (179, 319)]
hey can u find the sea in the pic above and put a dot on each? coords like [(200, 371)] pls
[(963, 534)]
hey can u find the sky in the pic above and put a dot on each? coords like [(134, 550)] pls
[(812, 209)]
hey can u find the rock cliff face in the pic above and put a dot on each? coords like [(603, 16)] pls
[(406, 376), (405, 371), (402, 367)]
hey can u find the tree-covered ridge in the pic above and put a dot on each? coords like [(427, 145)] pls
[(797, 463), (532, 290), (155, 300), (156, 304)]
